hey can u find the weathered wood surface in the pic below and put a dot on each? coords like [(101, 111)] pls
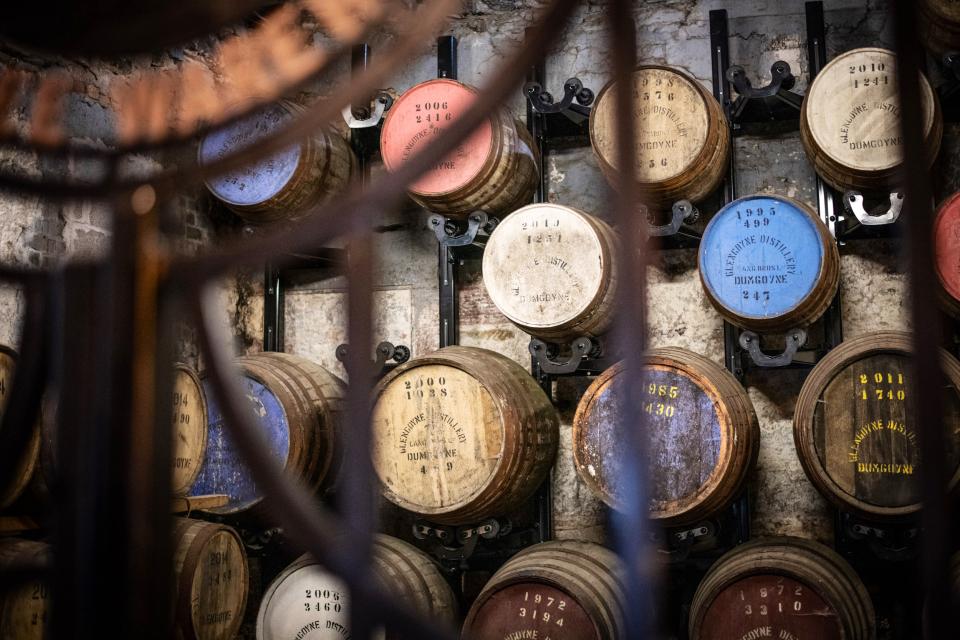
[(306, 601), (210, 580), (850, 121), (767, 263), (282, 185), (298, 404), (495, 169), (189, 428), (550, 270), (23, 608), (461, 434), (855, 430), (28, 460), (682, 139), (939, 25), (559, 590), (786, 588), (703, 436)]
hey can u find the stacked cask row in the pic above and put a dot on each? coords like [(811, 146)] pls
[(461, 435), (855, 426), (786, 588), (946, 242), (563, 590), (551, 270), (285, 184), (702, 435), (495, 169), (850, 121), (23, 607), (306, 601), (29, 459), (939, 25), (298, 404), (682, 139), (768, 263)]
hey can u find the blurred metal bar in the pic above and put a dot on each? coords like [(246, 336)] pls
[(925, 319)]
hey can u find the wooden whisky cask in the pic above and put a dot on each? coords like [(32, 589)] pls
[(850, 121), (306, 601), (210, 580), (563, 590), (551, 270), (23, 607), (495, 169), (283, 185), (786, 588), (189, 428), (702, 443), (768, 263), (682, 138), (855, 428), (461, 434), (299, 405), (29, 459), (939, 24), (946, 242)]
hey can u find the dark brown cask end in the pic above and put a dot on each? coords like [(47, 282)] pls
[(855, 427), (462, 434), (24, 608), (562, 590), (29, 459), (551, 270), (682, 138), (495, 169), (299, 405), (287, 183), (210, 580), (307, 601), (850, 121), (785, 588), (189, 428), (703, 435)]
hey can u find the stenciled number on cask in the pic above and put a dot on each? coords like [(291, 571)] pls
[(771, 606), (872, 74), (308, 602), (189, 429), (532, 610), (217, 589)]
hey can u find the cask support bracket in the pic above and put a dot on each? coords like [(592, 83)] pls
[(709, 538), (682, 212), (387, 356), (853, 202), (453, 233), (772, 102), (586, 357), (574, 106), (793, 340)]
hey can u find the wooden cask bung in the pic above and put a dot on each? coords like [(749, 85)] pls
[(29, 459), (850, 121), (283, 185), (946, 242), (938, 22), (785, 588), (210, 580), (551, 271), (299, 408), (495, 169), (702, 443), (768, 263), (563, 590), (855, 428), (306, 601), (189, 428), (23, 607), (462, 434), (682, 139)]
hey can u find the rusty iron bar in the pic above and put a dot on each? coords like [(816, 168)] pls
[(631, 527), (417, 29), (927, 330)]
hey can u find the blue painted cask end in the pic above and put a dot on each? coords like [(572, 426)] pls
[(761, 257), (224, 470)]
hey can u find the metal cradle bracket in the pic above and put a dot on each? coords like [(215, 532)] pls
[(573, 90), (682, 212), (380, 105), (750, 341), (580, 349), (782, 80), (450, 234), (385, 352), (853, 202)]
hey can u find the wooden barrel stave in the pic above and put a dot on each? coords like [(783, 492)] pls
[(405, 573), (787, 287), (304, 175), (712, 417), (832, 412), (301, 405), (189, 428), (495, 170), (834, 111), (576, 255), (581, 589), (509, 435), (729, 599), (686, 173), (939, 25), (27, 462), (23, 608)]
